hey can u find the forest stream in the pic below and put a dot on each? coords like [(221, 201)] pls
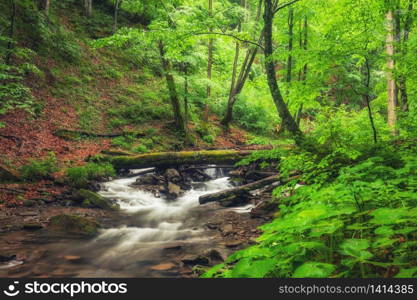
[(149, 237)]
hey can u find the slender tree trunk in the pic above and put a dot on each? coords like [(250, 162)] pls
[(44, 6), (299, 113), (243, 75), (209, 65), (186, 110), (290, 44), (305, 45), (287, 119), (175, 102), (402, 81), (367, 99), (11, 32), (229, 109), (391, 84), (116, 14), (302, 74), (88, 7)]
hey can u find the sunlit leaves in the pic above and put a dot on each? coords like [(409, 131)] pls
[(314, 270)]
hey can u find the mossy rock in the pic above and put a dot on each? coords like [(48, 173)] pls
[(72, 224), (91, 199)]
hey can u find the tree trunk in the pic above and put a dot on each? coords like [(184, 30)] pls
[(391, 84), (186, 110), (175, 102), (167, 159), (302, 75), (229, 109), (290, 45), (367, 99), (11, 32), (236, 196), (286, 117), (116, 14), (402, 81), (88, 7), (209, 65), (44, 6), (243, 75)]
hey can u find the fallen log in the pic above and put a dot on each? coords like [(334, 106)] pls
[(232, 196), (139, 173), (167, 159)]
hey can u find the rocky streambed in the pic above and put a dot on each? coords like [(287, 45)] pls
[(161, 230)]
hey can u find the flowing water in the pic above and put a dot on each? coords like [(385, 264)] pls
[(150, 231)]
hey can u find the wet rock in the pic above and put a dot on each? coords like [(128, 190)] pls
[(233, 244), (163, 267), (212, 226), (199, 270), (73, 259), (32, 226), (149, 179), (7, 258), (172, 175), (173, 248), (263, 209), (214, 255), (91, 199), (227, 229), (196, 260), (29, 203), (94, 186), (73, 224), (174, 191)]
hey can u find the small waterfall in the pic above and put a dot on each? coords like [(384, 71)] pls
[(156, 222)]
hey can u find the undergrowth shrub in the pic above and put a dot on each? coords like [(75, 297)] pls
[(39, 169), (359, 222), (80, 176)]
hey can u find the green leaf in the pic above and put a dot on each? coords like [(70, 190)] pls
[(384, 231), (248, 268), (356, 248), (314, 270), (383, 216), (407, 273)]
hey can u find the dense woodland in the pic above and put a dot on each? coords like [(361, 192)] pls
[(331, 85)]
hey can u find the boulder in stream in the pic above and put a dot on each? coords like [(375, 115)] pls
[(91, 199), (72, 224), (172, 175), (174, 191)]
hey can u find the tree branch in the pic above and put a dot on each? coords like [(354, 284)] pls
[(232, 36), (284, 5)]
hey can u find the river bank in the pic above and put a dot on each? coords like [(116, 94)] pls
[(148, 237)]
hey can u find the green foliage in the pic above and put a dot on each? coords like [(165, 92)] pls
[(39, 169), (124, 141), (13, 93), (360, 222), (254, 117), (80, 176)]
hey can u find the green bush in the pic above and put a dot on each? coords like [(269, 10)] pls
[(39, 169), (254, 117), (358, 223), (140, 149), (124, 142), (80, 176), (209, 139)]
